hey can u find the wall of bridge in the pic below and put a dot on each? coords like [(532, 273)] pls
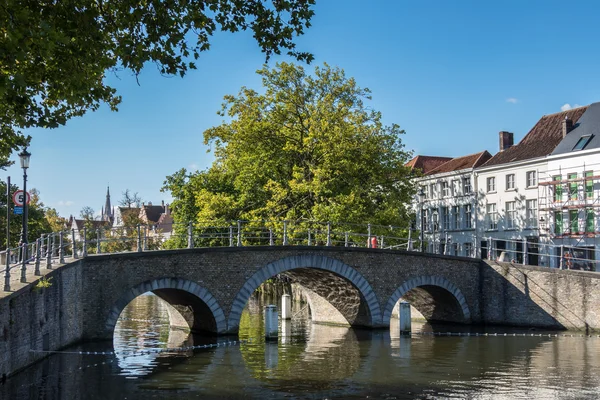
[(86, 296)]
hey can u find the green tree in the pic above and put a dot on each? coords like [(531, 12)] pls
[(306, 148), (55, 54), (37, 224)]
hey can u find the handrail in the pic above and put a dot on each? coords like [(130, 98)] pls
[(53, 248)]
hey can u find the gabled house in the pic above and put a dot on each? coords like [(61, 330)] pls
[(507, 186)]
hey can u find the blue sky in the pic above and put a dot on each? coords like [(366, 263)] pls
[(451, 73)]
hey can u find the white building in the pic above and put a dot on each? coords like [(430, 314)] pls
[(530, 203), (569, 193), (447, 205)]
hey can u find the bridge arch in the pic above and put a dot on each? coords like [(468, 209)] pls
[(310, 262), (163, 287), (426, 281)]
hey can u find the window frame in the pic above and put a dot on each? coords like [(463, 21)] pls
[(590, 220), (511, 214), (455, 217), (510, 182), (445, 188), (468, 210), (573, 189), (574, 222), (531, 213), (491, 184), (589, 184), (557, 188), (467, 188), (491, 211), (531, 179), (584, 140), (558, 223)]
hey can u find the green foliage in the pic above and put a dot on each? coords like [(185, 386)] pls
[(37, 221), (55, 54), (42, 283), (306, 149)]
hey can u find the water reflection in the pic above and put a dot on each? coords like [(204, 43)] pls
[(313, 361)]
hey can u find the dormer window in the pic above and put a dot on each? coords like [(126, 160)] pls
[(582, 142)]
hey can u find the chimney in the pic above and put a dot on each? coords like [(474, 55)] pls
[(163, 203), (506, 140), (567, 126), (167, 211)]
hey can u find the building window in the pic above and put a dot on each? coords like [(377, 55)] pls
[(456, 187), (511, 215), (468, 249), (558, 223), (589, 220), (582, 142), (572, 186), (467, 185), (574, 221), (425, 222), (510, 182), (455, 217), (491, 184), (454, 249), (557, 188), (532, 213), (424, 191), (432, 190), (492, 216), (468, 223), (531, 179), (445, 219), (589, 184), (445, 189)]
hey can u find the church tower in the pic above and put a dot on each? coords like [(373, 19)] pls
[(107, 211)]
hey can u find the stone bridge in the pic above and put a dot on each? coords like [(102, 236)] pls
[(354, 286)]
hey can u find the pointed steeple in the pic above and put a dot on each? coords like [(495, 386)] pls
[(107, 214)]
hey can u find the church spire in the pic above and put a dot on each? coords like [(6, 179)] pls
[(107, 214)]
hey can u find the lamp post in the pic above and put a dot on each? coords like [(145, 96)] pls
[(24, 157), (421, 201)]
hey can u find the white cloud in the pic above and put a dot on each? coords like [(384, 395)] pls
[(512, 100), (567, 106), (66, 203)]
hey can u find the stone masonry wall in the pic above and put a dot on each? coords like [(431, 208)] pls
[(40, 319)]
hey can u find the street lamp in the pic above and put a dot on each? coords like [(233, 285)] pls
[(24, 157), (422, 200)]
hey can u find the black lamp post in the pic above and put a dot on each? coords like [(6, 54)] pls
[(422, 199), (24, 157)]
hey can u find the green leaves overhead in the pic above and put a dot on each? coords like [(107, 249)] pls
[(307, 148), (55, 54)]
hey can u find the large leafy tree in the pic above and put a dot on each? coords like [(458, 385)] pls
[(55, 54), (305, 148)]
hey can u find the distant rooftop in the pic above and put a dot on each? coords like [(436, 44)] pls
[(427, 163), (458, 163)]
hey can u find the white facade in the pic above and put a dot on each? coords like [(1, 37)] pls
[(508, 211), (448, 212), (570, 205)]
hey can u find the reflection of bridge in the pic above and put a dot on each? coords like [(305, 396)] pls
[(354, 286)]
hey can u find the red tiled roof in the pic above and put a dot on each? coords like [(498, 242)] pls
[(426, 163), (458, 163), (541, 139)]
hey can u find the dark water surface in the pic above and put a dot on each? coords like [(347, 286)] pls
[(313, 362)]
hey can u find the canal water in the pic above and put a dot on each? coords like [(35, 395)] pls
[(148, 360)]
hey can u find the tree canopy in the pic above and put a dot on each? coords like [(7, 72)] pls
[(306, 147), (55, 54)]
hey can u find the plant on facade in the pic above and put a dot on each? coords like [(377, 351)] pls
[(306, 148), (56, 54)]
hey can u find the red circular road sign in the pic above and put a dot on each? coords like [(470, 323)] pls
[(20, 197)]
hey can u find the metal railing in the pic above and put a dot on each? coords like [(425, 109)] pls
[(53, 248)]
